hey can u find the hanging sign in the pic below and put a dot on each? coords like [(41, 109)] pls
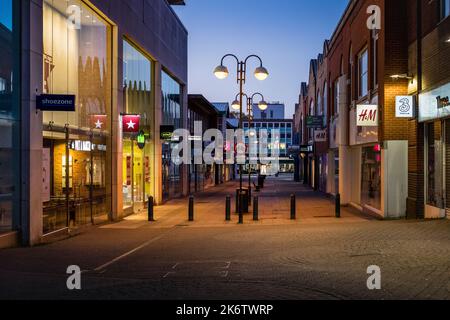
[(404, 107), (367, 115), (320, 136), (130, 123), (314, 122), (56, 102), (141, 140), (166, 132)]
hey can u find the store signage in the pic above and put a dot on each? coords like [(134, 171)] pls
[(166, 132), (320, 136), (306, 149), (98, 121), (367, 115), (56, 102), (442, 102), (434, 104), (404, 107), (141, 140), (314, 122), (130, 123)]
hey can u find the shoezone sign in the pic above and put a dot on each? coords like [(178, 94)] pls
[(367, 115)]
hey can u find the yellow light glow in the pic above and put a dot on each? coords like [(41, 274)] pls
[(221, 72), (261, 73)]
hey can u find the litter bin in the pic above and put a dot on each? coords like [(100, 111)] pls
[(245, 195)]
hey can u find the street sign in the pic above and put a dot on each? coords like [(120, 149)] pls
[(404, 107), (56, 102), (314, 122), (367, 115)]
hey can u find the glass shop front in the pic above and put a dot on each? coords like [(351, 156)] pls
[(76, 155)]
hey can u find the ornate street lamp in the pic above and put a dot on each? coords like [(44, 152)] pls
[(261, 73), (221, 72), (262, 105)]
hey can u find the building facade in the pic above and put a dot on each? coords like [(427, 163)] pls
[(428, 42), (126, 65), (361, 150)]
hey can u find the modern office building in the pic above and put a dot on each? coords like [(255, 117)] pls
[(273, 119), (85, 89)]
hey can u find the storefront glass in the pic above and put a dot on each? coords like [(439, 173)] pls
[(9, 116), (137, 158), (371, 176), (76, 145), (172, 115), (435, 174)]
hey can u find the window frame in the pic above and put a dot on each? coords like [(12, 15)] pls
[(363, 92)]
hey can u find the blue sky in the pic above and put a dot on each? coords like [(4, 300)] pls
[(5, 13), (285, 33)]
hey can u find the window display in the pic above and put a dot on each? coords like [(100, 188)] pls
[(77, 60), (137, 147)]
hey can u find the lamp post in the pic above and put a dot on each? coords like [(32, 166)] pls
[(261, 73), (262, 105)]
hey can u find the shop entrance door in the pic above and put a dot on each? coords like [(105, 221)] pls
[(136, 176), (447, 166)]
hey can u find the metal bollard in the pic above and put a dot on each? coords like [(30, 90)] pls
[(151, 210), (191, 208), (255, 209), (237, 201), (228, 209), (293, 207), (338, 205), (241, 209)]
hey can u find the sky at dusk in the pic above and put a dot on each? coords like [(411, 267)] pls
[(286, 34)]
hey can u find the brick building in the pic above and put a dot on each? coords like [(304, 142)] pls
[(354, 84), (428, 40)]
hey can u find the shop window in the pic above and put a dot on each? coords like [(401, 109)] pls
[(363, 72), (172, 115), (77, 145), (9, 118), (371, 176), (137, 182), (435, 172)]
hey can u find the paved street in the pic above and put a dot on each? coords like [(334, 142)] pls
[(315, 257)]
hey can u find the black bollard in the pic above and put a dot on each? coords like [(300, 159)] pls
[(151, 210), (241, 209), (191, 208), (338, 205), (293, 208), (237, 201), (255, 209), (228, 209)]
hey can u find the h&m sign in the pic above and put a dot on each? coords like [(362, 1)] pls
[(320, 136), (367, 115)]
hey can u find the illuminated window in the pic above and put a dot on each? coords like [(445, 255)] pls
[(2, 85)]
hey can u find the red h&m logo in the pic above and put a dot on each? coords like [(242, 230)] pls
[(367, 115)]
